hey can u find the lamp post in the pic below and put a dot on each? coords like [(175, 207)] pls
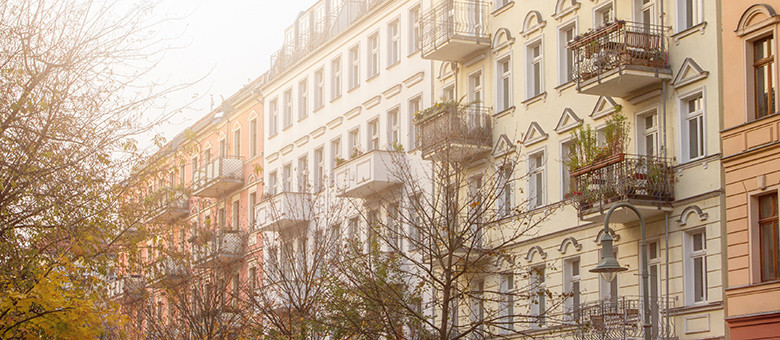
[(608, 267)]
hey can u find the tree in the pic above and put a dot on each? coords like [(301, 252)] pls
[(70, 102)]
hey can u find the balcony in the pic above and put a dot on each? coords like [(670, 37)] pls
[(454, 30), (620, 59), (454, 133), (168, 205), (369, 173), (171, 271), (219, 248), (130, 288), (219, 177), (644, 181), (622, 319), (283, 210)]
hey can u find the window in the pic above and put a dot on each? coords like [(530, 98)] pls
[(300, 250), (414, 29), (237, 143), (354, 67), (654, 279), (448, 93), (507, 301), (535, 77), (769, 237), (181, 175), (394, 227), (478, 306), (319, 169), (335, 156), (504, 83), (393, 135), (692, 127), (608, 290), (571, 285), (644, 12), (763, 65), (221, 218), (505, 191), (373, 135), (303, 99), (373, 54), (566, 67), (335, 79), (222, 148), (393, 43), (273, 117), (603, 15), (538, 290), (236, 211), (567, 149), (354, 143), (536, 187), (251, 212), (647, 127), (319, 89), (691, 13), (253, 278), (501, 3), (352, 228), (415, 222), (288, 109), (272, 183), (303, 173), (287, 178), (414, 107), (253, 137), (475, 212), (696, 267), (475, 88)]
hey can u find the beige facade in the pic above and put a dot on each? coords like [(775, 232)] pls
[(750, 161)]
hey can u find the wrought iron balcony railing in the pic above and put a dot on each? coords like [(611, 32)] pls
[(622, 318), (218, 177), (223, 247), (168, 205), (452, 30), (454, 132)]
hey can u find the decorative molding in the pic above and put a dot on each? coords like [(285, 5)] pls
[(335, 123), (564, 7), (479, 57), (318, 132), (615, 236), (418, 77), (501, 39), (286, 149), (534, 135), (683, 220), (568, 121), (535, 249), (700, 27), (374, 101), (272, 157), (689, 72), (644, 96), (566, 242), (503, 147), (446, 70), (746, 24), (508, 111), (605, 106), (539, 97), (391, 92), (564, 86), (532, 23), (354, 112), (503, 8), (302, 141)]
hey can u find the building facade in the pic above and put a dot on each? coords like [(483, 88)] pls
[(749, 156)]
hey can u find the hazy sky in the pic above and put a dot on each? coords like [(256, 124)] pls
[(231, 39)]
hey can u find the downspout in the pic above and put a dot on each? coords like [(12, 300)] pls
[(666, 214)]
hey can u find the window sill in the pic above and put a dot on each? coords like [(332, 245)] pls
[(696, 162), (508, 111), (335, 98), (503, 8), (700, 27), (396, 63), (353, 88), (413, 53), (372, 77), (303, 118), (287, 128), (564, 86), (539, 97), (318, 109)]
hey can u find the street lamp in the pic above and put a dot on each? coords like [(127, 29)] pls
[(608, 267)]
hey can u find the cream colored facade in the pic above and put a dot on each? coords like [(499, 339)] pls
[(676, 111)]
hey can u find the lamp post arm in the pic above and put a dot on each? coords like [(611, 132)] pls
[(645, 282)]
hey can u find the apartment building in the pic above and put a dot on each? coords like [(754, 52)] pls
[(750, 154), (197, 195), (544, 68)]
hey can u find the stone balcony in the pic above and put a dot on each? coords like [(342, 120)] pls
[(221, 247), (283, 210), (454, 30), (168, 206), (370, 173), (219, 177)]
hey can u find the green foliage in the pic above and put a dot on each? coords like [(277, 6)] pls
[(586, 148)]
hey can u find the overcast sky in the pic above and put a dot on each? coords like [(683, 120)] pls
[(230, 40)]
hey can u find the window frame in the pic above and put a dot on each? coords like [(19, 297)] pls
[(756, 238), (354, 67), (504, 95), (393, 42), (541, 170), (319, 92), (642, 131), (685, 117), (335, 78), (303, 98), (566, 70), (414, 28), (572, 303), (682, 11), (393, 127), (273, 117), (531, 72), (372, 134), (287, 116), (372, 46), (690, 257)]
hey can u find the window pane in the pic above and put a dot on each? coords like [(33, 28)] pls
[(764, 90), (693, 138), (766, 206), (698, 279), (768, 251)]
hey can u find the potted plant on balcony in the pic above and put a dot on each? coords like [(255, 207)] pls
[(588, 154)]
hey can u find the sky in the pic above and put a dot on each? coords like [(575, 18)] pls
[(229, 42)]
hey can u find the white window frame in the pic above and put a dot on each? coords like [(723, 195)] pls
[(565, 175), (476, 88), (353, 141), (336, 152), (565, 69), (639, 9), (303, 98), (319, 90), (273, 116), (598, 13), (642, 132), (685, 116), (372, 134), (533, 201), (682, 9), (531, 62), (273, 182), (505, 191), (252, 200), (302, 173), (393, 127), (499, 4), (537, 282), (449, 92), (414, 28), (354, 67), (373, 55), (237, 141), (690, 256), (504, 76), (506, 287), (287, 173), (478, 305), (335, 78), (606, 288), (288, 108), (414, 105), (570, 277), (393, 42), (319, 168)]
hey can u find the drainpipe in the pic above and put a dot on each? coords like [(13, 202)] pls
[(666, 214)]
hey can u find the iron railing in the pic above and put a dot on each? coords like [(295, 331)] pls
[(318, 32), (466, 20), (223, 167), (454, 125), (617, 46), (171, 270), (224, 246), (169, 200), (623, 177), (622, 318)]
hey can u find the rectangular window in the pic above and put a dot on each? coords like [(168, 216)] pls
[(393, 133), (253, 137), (535, 77), (769, 237), (335, 156), (303, 173), (571, 286), (373, 135), (691, 13), (393, 43), (373, 54), (538, 291), (692, 127), (236, 212), (414, 107), (181, 175), (394, 227), (414, 29), (696, 267), (287, 178), (272, 183), (536, 187), (273, 117), (448, 93), (763, 74), (644, 12), (566, 55), (415, 222), (195, 165), (507, 301), (478, 306), (352, 228), (354, 67), (501, 3), (567, 150), (319, 169), (475, 88), (354, 143), (319, 89), (288, 109), (504, 83), (251, 213), (475, 212), (253, 278), (335, 78), (648, 129), (303, 99), (603, 15), (222, 148), (221, 218), (505, 191), (237, 143)]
